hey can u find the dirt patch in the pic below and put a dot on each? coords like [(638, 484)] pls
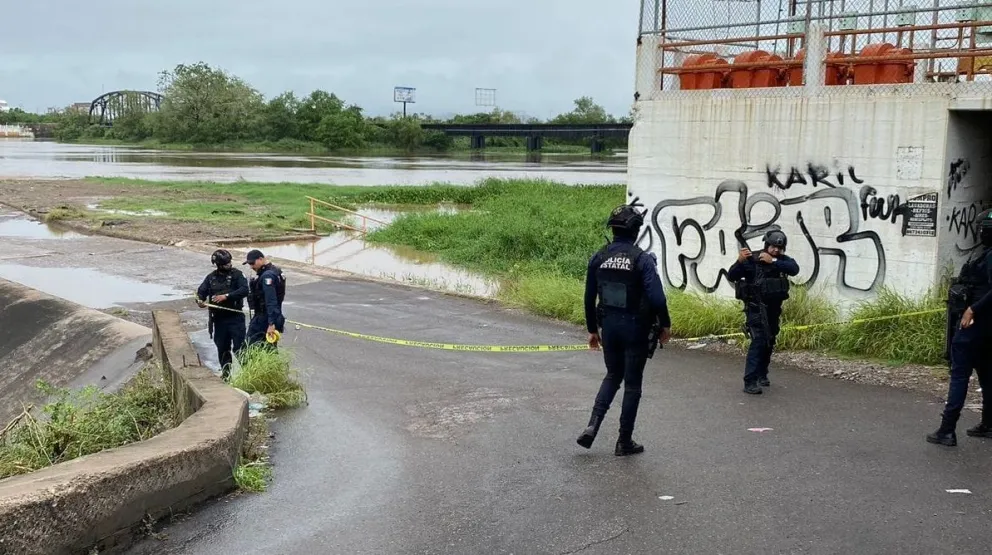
[(41, 198)]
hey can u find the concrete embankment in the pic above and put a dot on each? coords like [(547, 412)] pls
[(101, 499), (48, 338)]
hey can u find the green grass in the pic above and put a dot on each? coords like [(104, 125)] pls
[(514, 228), (60, 213), (271, 207), (909, 339), (269, 373), (536, 237), (86, 421), (253, 476)]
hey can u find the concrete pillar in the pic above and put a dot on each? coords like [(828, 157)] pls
[(478, 142), (534, 143), (814, 72), (597, 145), (646, 78)]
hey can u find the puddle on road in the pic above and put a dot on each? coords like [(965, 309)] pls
[(12, 225), (87, 286), (350, 252)]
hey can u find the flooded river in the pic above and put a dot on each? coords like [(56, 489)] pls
[(344, 250), (26, 159)]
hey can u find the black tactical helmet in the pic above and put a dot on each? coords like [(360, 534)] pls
[(220, 257), (985, 227), (626, 217), (775, 238)]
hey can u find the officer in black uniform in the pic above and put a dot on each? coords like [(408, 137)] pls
[(761, 282), (226, 287), (631, 300), (970, 337), (268, 289)]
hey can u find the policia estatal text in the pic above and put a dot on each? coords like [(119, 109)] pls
[(225, 287), (632, 314), (969, 339), (761, 283), (267, 292)]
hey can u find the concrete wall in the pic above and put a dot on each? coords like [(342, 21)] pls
[(842, 175), (967, 165), (49, 338), (100, 499)]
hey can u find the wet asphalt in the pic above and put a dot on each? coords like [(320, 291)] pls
[(415, 451)]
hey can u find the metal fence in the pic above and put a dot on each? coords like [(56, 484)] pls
[(766, 45)]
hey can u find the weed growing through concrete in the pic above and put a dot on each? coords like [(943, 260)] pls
[(82, 422), (254, 472), (269, 373)]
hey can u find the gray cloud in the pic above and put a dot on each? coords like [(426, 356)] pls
[(539, 54)]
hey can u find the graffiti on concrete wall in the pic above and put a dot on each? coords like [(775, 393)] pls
[(817, 174), (962, 222), (699, 238), (959, 169)]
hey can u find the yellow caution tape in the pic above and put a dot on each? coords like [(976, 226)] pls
[(555, 348)]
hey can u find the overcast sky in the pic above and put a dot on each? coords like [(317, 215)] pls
[(538, 54)]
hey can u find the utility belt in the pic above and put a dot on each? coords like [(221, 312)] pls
[(768, 289), (962, 293), (642, 317)]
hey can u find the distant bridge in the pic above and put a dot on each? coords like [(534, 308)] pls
[(108, 107), (535, 132)]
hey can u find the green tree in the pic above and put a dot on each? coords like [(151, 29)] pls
[(314, 109), (404, 133), (585, 111), (345, 129), (280, 117), (207, 106)]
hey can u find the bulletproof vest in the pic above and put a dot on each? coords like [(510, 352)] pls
[(222, 283), (973, 278), (258, 295), (621, 290), (766, 285)]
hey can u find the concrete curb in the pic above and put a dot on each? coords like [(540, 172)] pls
[(101, 499)]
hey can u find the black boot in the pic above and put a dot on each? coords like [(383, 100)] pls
[(627, 446), (589, 434), (752, 388), (981, 430), (763, 382), (945, 434)]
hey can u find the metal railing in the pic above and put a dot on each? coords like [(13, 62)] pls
[(953, 38), (314, 217)]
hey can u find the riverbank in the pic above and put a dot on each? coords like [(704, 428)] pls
[(460, 148), (534, 237)]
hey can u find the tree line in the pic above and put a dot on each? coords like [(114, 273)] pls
[(209, 106)]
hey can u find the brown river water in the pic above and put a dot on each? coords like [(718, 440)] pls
[(344, 250)]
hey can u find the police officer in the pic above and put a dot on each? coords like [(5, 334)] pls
[(970, 340), (631, 299), (226, 287), (761, 282), (268, 289)]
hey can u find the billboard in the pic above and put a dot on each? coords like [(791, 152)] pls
[(404, 94)]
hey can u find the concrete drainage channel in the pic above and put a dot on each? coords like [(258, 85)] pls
[(100, 500)]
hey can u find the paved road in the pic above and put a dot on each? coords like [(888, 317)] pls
[(413, 451)]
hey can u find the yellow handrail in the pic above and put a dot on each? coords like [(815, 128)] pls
[(336, 207)]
